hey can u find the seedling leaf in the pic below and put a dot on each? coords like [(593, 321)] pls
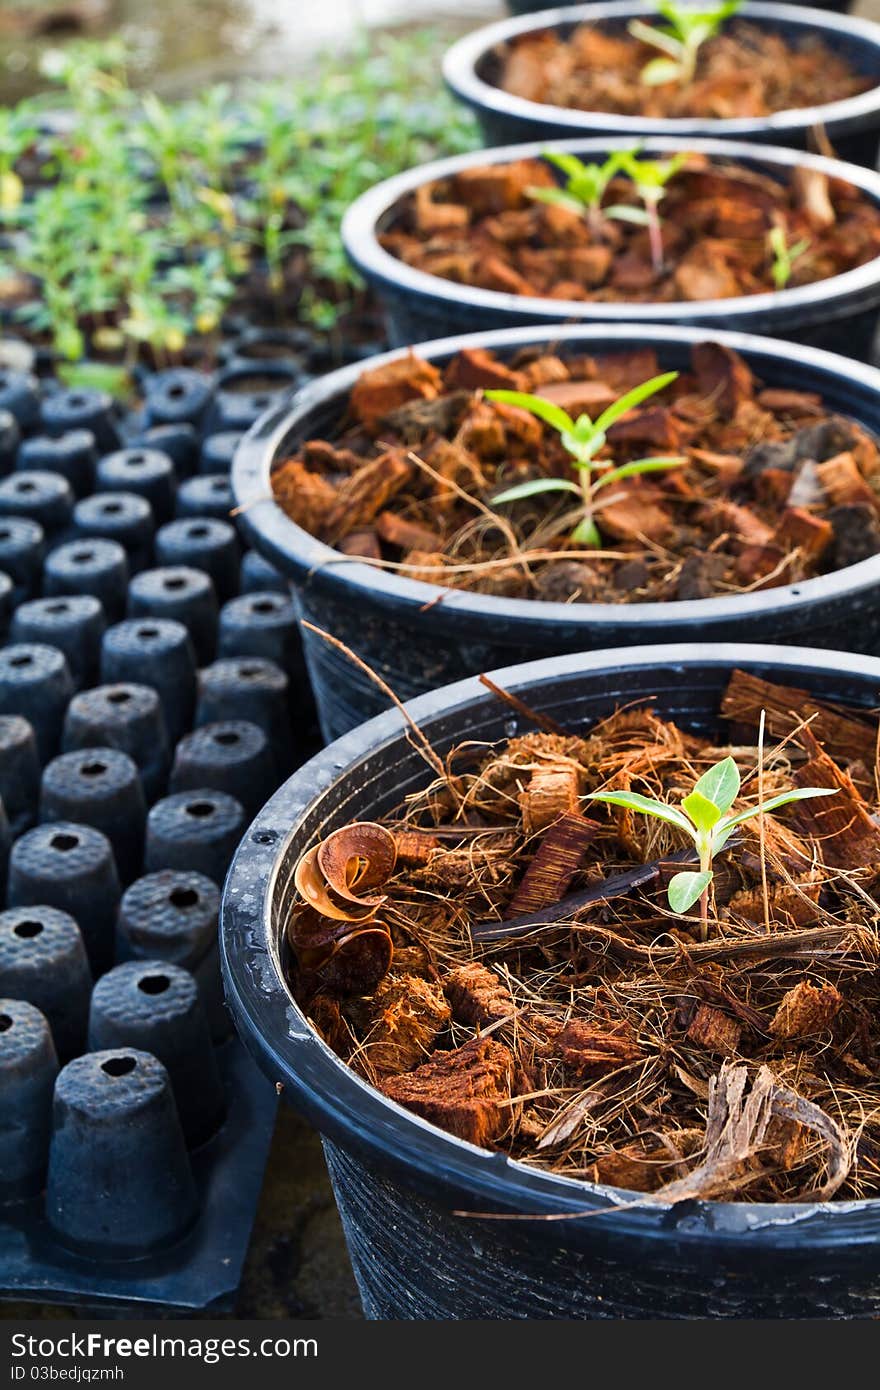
[(632, 801), (702, 812), (687, 888), (720, 784)]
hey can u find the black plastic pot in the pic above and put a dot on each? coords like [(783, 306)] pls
[(417, 643), (401, 1184), (472, 65), (839, 313), (532, 6)]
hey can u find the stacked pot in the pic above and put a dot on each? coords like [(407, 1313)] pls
[(152, 697), (398, 1180)]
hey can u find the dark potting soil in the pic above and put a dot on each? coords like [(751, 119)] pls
[(773, 490), (445, 957), (485, 227), (748, 70)]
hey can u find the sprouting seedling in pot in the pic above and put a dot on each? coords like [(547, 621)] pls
[(706, 816), (584, 188), (681, 41), (583, 438), (784, 256), (650, 177)]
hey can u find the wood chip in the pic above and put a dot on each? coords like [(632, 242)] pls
[(464, 1091), (714, 1030), (806, 1010), (380, 390), (842, 482), (556, 861), (551, 792), (411, 1014), (847, 836), (477, 996), (787, 707)]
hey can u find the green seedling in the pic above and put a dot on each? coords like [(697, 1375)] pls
[(705, 815), (650, 177), (784, 256), (680, 42), (585, 185), (582, 439)]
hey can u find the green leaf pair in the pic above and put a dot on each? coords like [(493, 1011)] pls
[(583, 438), (688, 30), (705, 817)]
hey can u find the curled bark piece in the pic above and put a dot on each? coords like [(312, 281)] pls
[(311, 884), (361, 855), (343, 957)]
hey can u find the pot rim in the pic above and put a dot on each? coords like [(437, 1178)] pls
[(289, 545), (824, 300), (349, 1110), (461, 60)]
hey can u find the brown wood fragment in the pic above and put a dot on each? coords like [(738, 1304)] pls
[(477, 369), (493, 188), (714, 1030), (579, 397), (552, 792), (590, 1050), (477, 996), (362, 496), (411, 1012), (805, 1010), (382, 389), (305, 497), (787, 707), (847, 835), (800, 530), (800, 404), (811, 192), (556, 861), (739, 521), (842, 482), (463, 1091), (415, 847), (723, 376), (795, 905), (436, 217), (634, 514), (408, 535), (362, 544)]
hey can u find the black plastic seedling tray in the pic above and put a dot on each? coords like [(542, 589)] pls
[(203, 1270)]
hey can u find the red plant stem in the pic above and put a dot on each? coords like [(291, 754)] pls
[(655, 235)]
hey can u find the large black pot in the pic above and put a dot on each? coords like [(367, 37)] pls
[(400, 1183), (839, 314), (417, 644), (471, 69)]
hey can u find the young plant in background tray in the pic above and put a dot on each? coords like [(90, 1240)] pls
[(784, 256), (680, 41), (582, 439), (707, 818)]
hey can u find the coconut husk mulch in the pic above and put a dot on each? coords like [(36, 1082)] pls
[(463, 957), (745, 71), (775, 488)]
